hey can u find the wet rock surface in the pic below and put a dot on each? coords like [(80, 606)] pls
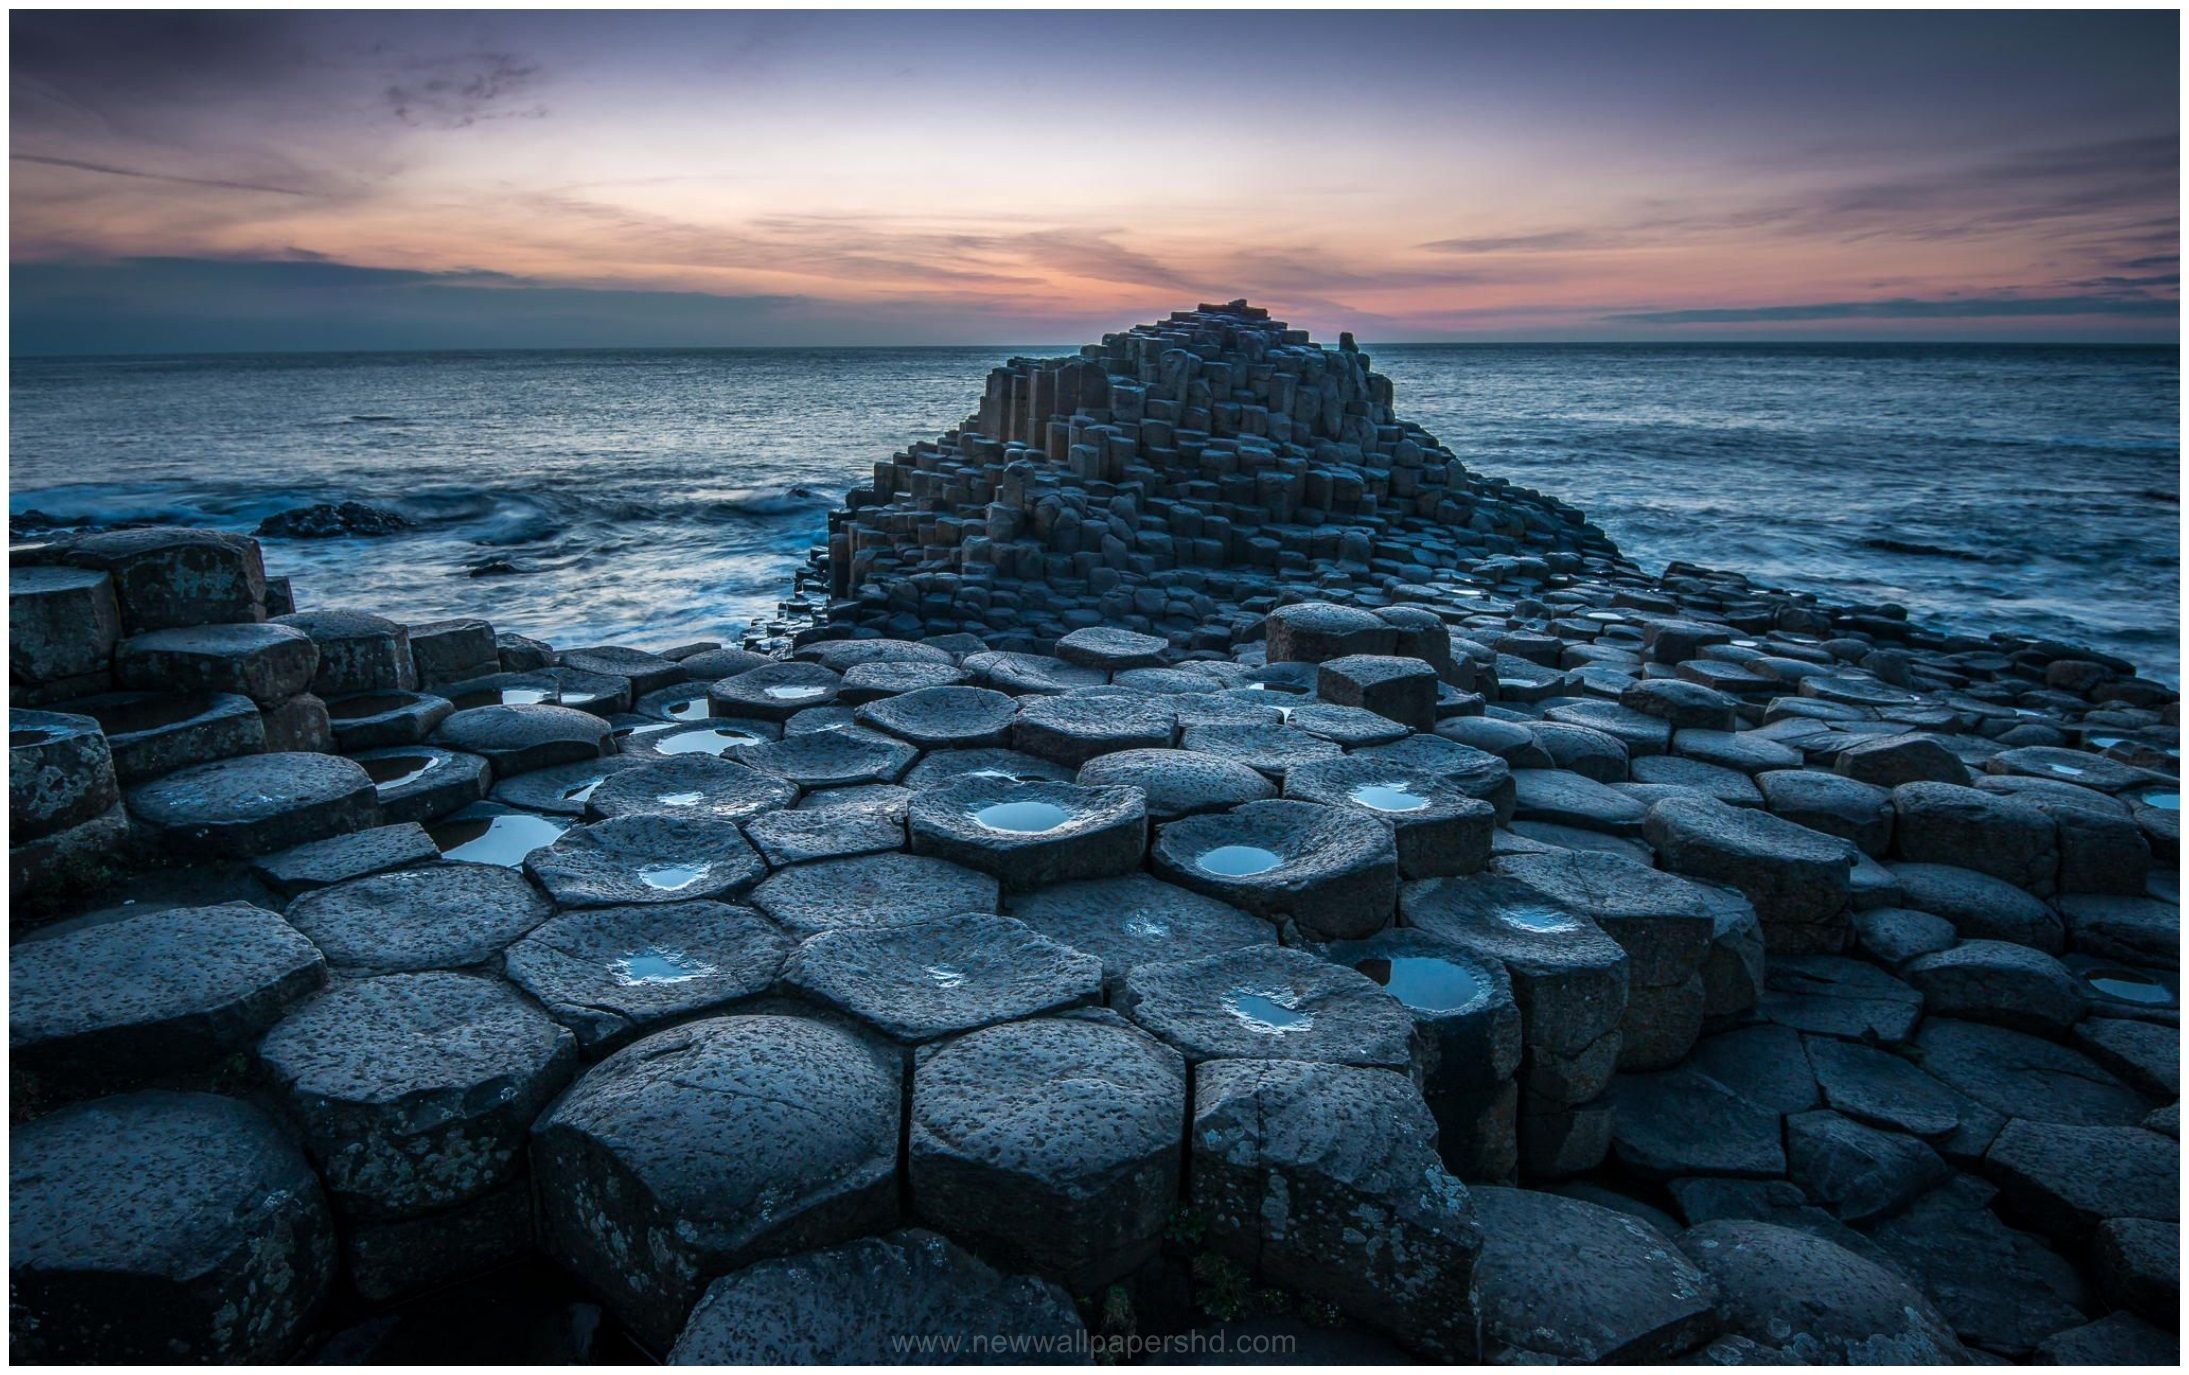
[(1724, 907)]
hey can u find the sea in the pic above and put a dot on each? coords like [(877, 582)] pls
[(655, 497)]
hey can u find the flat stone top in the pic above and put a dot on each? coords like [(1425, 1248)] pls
[(243, 637), (872, 890), (1508, 921), (922, 980), (1270, 1003), (437, 916), (154, 967), (1365, 1128), (719, 1118), (153, 1183), (1068, 1098), (248, 788), (1138, 919), (610, 968), (1605, 886), (336, 623), (37, 579), (403, 1036)]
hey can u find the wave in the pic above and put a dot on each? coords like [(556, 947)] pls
[(797, 499)]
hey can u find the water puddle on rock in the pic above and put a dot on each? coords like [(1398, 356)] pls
[(2105, 742), (2165, 799), (795, 692), (579, 792), (503, 840), (1239, 861), (1388, 797), (690, 709), (680, 799), (655, 965), (394, 770), (2066, 770), (944, 976), (2128, 986), (1022, 818), (1424, 983), (1146, 927), (1271, 1014), (715, 741), (371, 704), (1532, 917), (670, 877)]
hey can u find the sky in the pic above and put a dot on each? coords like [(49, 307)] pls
[(248, 181)]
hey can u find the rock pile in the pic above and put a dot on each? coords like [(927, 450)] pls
[(1256, 864)]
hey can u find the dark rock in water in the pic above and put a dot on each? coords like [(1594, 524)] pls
[(1564, 1280), (256, 803), (923, 980), (329, 520), (1051, 1145), (1818, 1303), (1270, 1003), (438, 916), (712, 1145), (2002, 1290), (1325, 1180), (95, 1006), (415, 1091), (617, 972), (872, 891), (499, 566), (859, 1303), (158, 1227)]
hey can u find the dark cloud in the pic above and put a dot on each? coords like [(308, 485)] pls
[(1908, 308), (458, 91)]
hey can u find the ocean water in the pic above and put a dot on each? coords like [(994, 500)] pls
[(661, 496)]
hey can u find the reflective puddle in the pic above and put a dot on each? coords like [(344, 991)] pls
[(505, 839), (2164, 799), (944, 976), (690, 709), (1271, 1014), (670, 877), (794, 692), (394, 770), (1239, 861), (1388, 797), (2068, 770), (1424, 982), (1537, 918), (578, 792), (1147, 928), (1022, 818), (680, 799), (715, 741), (2127, 986), (655, 965)]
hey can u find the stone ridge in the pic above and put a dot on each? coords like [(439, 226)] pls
[(1159, 481)]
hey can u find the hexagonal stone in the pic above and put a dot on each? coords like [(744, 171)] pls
[(60, 773), (1400, 688), (424, 782), (928, 979), (2018, 1075), (1271, 1003), (832, 758), (1134, 920), (2134, 930), (2064, 1179), (62, 624), (1465, 1020), (619, 972), (1569, 978), (1112, 649), (566, 789), (1889, 761), (871, 682), (415, 1091), (1178, 782), (452, 650), (944, 766), (774, 692), (1839, 997), (2002, 1290), (1072, 728), (1797, 878), (157, 1227), (1031, 834), (854, 1304), (1688, 706), (1024, 675), (712, 1145), (872, 891), (1939, 823), (322, 863), (1843, 807), (2079, 767), (1810, 1301), (265, 662), (1310, 632), (1051, 1145), (519, 739), (256, 803), (597, 693), (167, 576), (1871, 1085), (944, 717), (376, 720), (1859, 1172), (1324, 1178), (1992, 981), (646, 857), (439, 916), (1565, 1280), (1979, 906), (1331, 871), (1270, 750), (104, 1004), (798, 837), (358, 652), (692, 785), (151, 735), (647, 672), (1438, 828)]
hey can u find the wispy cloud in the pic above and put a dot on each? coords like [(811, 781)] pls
[(458, 91), (81, 165), (1908, 308)]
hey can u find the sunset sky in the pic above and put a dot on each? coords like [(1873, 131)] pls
[(359, 180)]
